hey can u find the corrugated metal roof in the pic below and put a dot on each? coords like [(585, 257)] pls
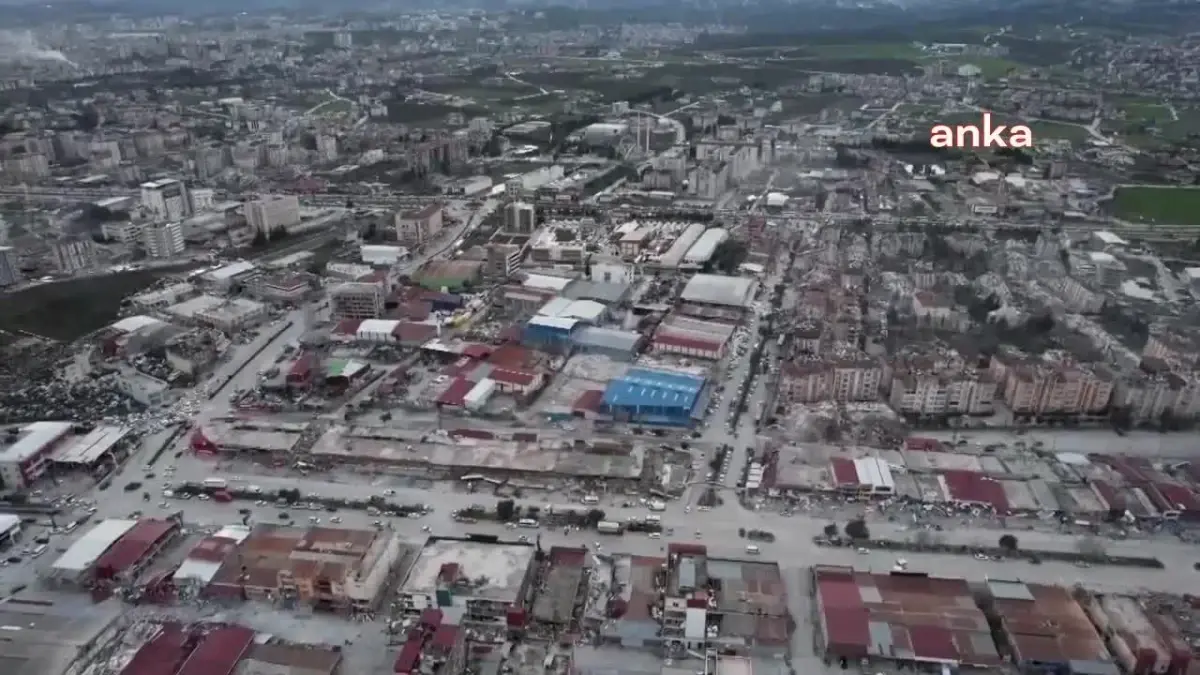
[(220, 652), (93, 446), (714, 289), (34, 437), (134, 545), (706, 246), (607, 338), (88, 548), (161, 655), (972, 487), (455, 394)]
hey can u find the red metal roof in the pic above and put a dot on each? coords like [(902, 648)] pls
[(477, 351), (456, 393), (408, 332), (161, 655), (1176, 496), (520, 378), (444, 637), (563, 556), (410, 653), (668, 340), (302, 367), (511, 356), (844, 472), (348, 327), (973, 487), (220, 652), (589, 400), (134, 545), (922, 444)]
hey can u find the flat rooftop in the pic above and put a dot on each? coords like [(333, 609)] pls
[(560, 587), (342, 443), (502, 567), (255, 435), (44, 633)]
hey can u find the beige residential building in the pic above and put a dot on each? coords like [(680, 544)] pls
[(1176, 348), (1149, 395), (965, 392), (833, 380), (1053, 386), (269, 213), (414, 228)]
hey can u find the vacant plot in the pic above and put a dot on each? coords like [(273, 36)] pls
[(71, 309), (1160, 205)]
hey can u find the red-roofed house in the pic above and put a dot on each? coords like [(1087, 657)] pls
[(975, 489), (588, 402), (432, 647), (519, 382), (688, 346), (300, 375), (135, 548), (162, 655), (220, 652), (1174, 500), (455, 395)]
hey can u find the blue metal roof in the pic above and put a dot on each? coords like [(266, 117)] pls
[(640, 387)]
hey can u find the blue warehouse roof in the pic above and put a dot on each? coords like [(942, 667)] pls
[(640, 387)]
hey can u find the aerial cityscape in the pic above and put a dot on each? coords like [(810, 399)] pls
[(758, 338)]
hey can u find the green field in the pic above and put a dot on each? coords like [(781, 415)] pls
[(1161, 205)]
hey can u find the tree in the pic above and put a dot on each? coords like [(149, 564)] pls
[(506, 509), (594, 517), (857, 529), (831, 530), (1008, 542)]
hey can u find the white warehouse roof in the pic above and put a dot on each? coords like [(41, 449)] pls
[(683, 243), (88, 548), (230, 271), (132, 324), (377, 327), (874, 472), (714, 289), (34, 437), (704, 248), (546, 282), (91, 447)]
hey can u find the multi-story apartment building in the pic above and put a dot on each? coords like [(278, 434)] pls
[(944, 393), (163, 240), (483, 582), (414, 228), (269, 213), (1155, 391), (73, 255), (849, 379), (167, 199), (520, 217), (1055, 386), (357, 300), (1176, 347)]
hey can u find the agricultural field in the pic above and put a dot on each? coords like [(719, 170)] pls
[(1157, 205)]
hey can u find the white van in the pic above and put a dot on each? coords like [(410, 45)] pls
[(753, 550), (527, 522), (590, 500)]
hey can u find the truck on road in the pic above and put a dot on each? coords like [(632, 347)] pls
[(609, 527)]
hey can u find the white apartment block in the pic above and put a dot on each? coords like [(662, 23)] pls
[(961, 393), (842, 380), (268, 213), (163, 240), (125, 232), (73, 255), (167, 199)]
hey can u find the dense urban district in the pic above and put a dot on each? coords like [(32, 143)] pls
[(555, 343)]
